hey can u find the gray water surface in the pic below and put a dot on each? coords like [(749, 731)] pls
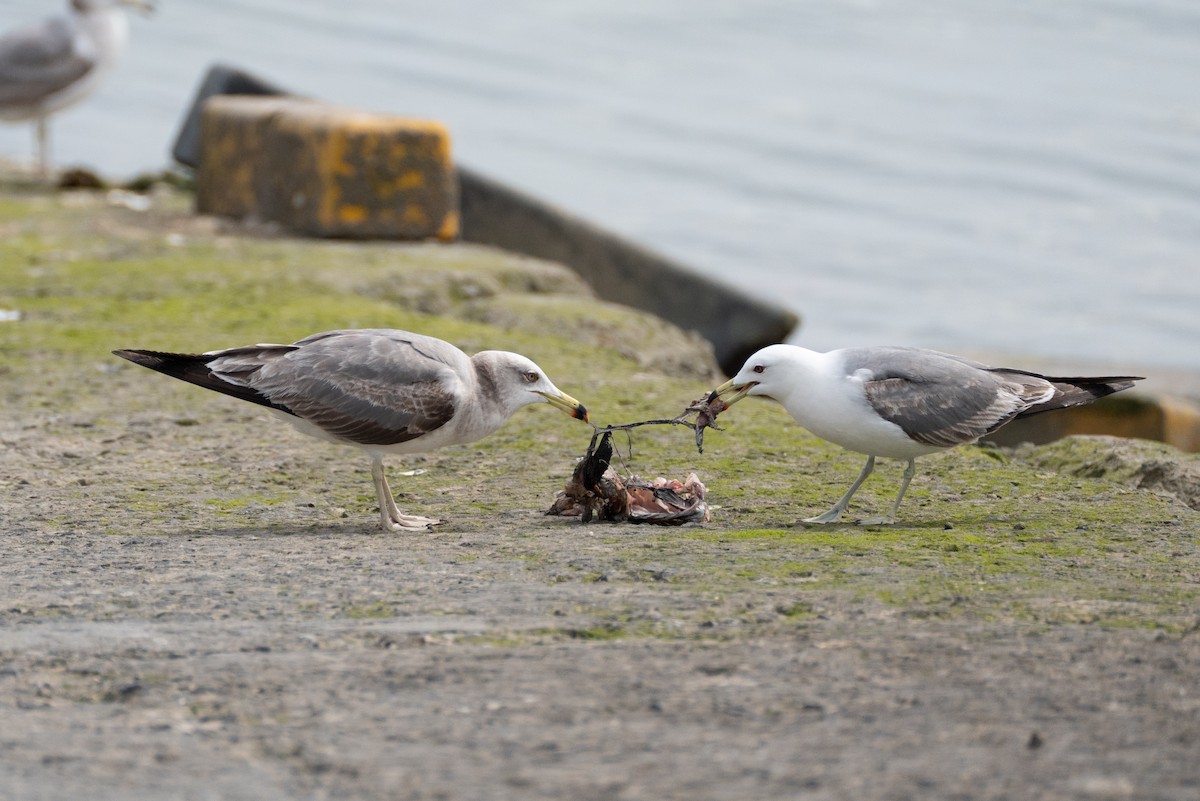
[(1018, 177)]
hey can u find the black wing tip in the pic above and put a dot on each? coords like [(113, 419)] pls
[(1105, 379), (1111, 383), (1098, 386), (193, 368), (1071, 392), (148, 357), (145, 358)]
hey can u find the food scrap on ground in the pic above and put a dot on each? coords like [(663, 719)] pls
[(597, 490)]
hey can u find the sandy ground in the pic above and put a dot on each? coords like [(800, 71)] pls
[(176, 649)]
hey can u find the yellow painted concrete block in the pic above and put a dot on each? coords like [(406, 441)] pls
[(233, 140), (326, 170)]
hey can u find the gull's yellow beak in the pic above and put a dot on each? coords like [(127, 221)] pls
[(739, 392), (566, 403)]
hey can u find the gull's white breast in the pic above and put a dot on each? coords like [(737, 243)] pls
[(833, 405)]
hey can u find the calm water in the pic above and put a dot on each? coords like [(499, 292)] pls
[(1019, 177)]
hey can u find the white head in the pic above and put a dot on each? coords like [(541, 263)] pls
[(519, 382), (771, 373)]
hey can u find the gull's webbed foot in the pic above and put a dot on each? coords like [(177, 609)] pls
[(403, 522), (390, 517), (832, 516)]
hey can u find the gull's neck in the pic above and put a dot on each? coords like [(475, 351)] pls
[(808, 366), (817, 383), (105, 29), (484, 412)]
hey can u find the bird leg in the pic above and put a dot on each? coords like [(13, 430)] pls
[(390, 517), (43, 147), (891, 518), (909, 472), (838, 508)]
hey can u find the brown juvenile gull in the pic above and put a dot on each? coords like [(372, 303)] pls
[(54, 64), (382, 390), (901, 402)]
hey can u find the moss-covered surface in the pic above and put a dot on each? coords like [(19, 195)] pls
[(143, 504), (979, 534)]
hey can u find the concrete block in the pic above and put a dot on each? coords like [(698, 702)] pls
[(325, 170), (221, 79), (233, 144)]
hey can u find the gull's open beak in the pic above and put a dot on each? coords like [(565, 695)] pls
[(566, 403), (728, 387)]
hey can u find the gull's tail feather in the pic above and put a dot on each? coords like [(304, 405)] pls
[(194, 369)]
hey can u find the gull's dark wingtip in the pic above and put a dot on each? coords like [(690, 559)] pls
[(155, 360), (1080, 390), (142, 357), (193, 368)]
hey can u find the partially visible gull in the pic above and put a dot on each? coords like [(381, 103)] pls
[(900, 402), (53, 64), (382, 390)]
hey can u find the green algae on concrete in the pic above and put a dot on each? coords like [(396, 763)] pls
[(191, 590), (981, 535), (1132, 462)]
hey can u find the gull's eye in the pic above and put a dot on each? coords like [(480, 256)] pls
[(530, 376), (758, 368)]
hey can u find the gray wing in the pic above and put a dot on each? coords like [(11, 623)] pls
[(367, 387), (938, 399), (38, 61)]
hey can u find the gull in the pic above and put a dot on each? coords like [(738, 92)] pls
[(900, 402), (381, 390), (54, 64)]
